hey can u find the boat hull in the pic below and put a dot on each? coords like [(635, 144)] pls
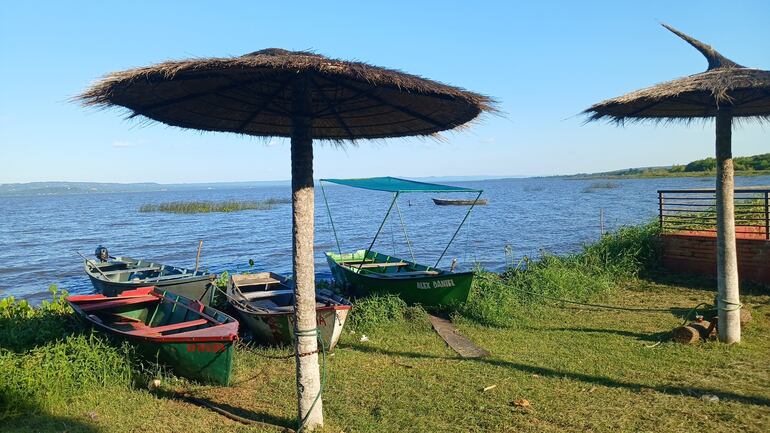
[(446, 288), (197, 286), (204, 355), (278, 328), (454, 202)]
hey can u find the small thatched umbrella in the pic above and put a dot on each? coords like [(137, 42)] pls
[(300, 95), (726, 90)]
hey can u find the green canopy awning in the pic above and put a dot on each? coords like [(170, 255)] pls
[(394, 184)]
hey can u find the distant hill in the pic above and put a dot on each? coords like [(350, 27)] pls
[(59, 188), (744, 166)]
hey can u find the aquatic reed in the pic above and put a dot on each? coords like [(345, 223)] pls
[(601, 185), (191, 207)]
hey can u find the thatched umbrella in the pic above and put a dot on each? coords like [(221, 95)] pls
[(304, 96), (726, 90)]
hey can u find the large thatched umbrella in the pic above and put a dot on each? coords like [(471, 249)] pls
[(726, 90), (304, 96)]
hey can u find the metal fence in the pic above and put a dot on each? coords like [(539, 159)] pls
[(694, 210)]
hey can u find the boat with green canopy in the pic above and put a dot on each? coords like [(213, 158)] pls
[(366, 271)]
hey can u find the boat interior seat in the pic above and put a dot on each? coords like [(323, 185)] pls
[(411, 274), (257, 282), (168, 277), (266, 293), (141, 329), (134, 270), (382, 265), (270, 305), (117, 303), (354, 262), (180, 325)]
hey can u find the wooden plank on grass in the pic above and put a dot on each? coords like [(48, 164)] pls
[(458, 342)]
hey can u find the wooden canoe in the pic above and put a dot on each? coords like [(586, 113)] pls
[(265, 304), (124, 273), (370, 272), (455, 202), (194, 340)]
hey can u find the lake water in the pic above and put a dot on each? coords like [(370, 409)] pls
[(40, 234)]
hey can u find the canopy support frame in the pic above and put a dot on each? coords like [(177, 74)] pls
[(467, 214), (406, 236), (371, 245), (329, 214)]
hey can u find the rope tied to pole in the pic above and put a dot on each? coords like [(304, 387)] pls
[(314, 332), (734, 306)]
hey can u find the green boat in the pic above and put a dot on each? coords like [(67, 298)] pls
[(113, 275), (194, 340), (366, 271)]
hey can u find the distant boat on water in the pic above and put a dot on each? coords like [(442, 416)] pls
[(459, 202)]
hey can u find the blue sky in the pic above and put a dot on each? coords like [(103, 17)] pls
[(544, 61)]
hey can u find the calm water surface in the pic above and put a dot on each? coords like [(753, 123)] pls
[(40, 234)]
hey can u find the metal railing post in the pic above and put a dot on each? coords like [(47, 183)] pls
[(660, 209), (767, 215)]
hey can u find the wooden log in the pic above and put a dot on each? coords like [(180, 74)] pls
[(692, 333), (745, 316)]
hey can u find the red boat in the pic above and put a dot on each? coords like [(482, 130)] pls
[(195, 340)]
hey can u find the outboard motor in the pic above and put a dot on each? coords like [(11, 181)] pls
[(102, 254)]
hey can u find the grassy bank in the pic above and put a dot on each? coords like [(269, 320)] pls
[(190, 207), (553, 367)]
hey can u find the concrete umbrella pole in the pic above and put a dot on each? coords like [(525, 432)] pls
[(728, 298), (303, 205)]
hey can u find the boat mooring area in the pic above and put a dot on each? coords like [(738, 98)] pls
[(390, 217)]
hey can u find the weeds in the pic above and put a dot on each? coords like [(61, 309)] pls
[(23, 326), (45, 356), (377, 310), (498, 300)]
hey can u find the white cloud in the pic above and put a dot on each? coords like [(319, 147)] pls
[(488, 140), (123, 144)]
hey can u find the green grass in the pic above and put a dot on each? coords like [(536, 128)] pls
[(191, 207), (580, 368)]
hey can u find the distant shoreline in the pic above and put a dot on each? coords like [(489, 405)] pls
[(58, 188), (659, 175)]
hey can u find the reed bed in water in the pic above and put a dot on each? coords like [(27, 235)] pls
[(190, 207)]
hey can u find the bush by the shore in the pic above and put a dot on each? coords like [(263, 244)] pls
[(46, 357)]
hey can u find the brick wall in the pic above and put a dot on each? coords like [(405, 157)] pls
[(697, 254)]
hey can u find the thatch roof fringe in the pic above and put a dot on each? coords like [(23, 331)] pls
[(251, 94)]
